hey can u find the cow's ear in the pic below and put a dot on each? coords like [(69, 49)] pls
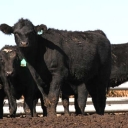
[(40, 29), (6, 29)]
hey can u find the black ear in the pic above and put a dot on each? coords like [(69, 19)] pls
[(40, 29), (6, 29)]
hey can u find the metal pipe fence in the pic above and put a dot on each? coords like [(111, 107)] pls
[(113, 104)]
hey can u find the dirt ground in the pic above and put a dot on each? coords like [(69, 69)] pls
[(88, 121)]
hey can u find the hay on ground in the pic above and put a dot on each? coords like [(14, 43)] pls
[(117, 93)]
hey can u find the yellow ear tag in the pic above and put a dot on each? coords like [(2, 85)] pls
[(23, 63), (40, 32)]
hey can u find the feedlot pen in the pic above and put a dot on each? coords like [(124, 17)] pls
[(113, 104)]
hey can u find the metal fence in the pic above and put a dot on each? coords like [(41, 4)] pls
[(113, 104)]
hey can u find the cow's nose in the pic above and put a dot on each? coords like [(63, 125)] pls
[(24, 43), (8, 73)]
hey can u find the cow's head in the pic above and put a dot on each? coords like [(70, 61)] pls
[(9, 57), (24, 31)]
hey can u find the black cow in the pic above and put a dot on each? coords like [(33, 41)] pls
[(5, 91), (59, 57), (20, 80), (119, 72), (67, 90)]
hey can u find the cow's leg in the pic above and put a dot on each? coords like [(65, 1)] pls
[(44, 108), (65, 102), (11, 99), (28, 107), (81, 99), (92, 89), (102, 86), (34, 107), (101, 100), (78, 105), (12, 112), (77, 109), (39, 82), (2, 96), (98, 93), (54, 94), (42, 105)]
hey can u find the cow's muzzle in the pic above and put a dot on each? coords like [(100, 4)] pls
[(9, 73), (24, 44)]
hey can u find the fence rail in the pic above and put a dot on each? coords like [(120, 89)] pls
[(113, 104)]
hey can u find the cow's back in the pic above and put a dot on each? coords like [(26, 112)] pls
[(81, 52)]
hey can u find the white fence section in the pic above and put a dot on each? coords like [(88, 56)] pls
[(113, 104)]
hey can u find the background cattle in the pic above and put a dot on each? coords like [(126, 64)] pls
[(5, 91), (63, 56), (119, 72), (20, 80)]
